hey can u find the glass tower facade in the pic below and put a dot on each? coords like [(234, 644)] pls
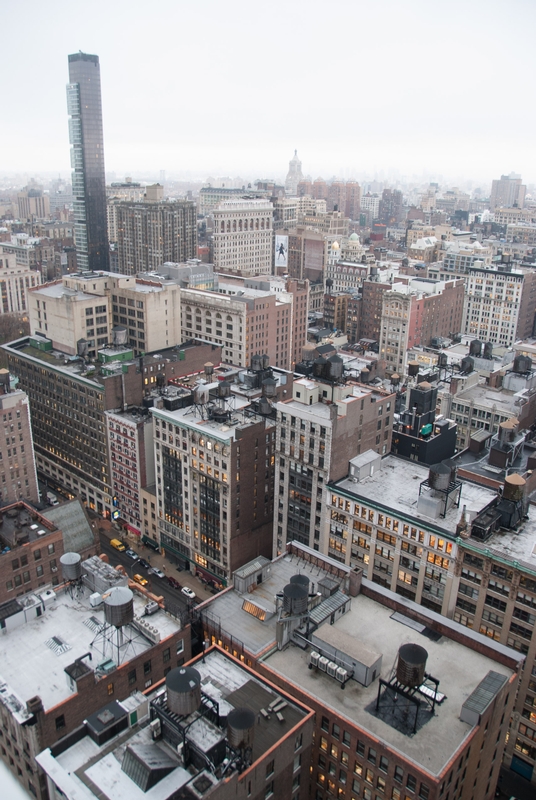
[(87, 160)]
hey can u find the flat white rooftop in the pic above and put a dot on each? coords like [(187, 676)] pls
[(373, 624), (71, 621), (395, 487)]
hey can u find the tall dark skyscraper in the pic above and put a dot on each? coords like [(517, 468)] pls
[(87, 160)]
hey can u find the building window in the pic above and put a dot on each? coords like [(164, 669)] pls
[(110, 688), (147, 667), (270, 768), (132, 677), (60, 722), (166, 656)]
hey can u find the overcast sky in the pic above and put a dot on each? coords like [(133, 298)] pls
[(227, 87)]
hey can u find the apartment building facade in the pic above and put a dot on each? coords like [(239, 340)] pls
[(149, 234), (18, 476), (500, 304), (416, 313)]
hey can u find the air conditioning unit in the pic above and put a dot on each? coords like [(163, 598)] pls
[(313, 659), (332, 669), (155, 728), (342, 674), (323, 663)]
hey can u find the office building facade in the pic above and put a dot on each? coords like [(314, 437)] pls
[(87, 159), (243, 237)]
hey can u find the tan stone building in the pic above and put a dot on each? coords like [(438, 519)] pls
[(242, 239)]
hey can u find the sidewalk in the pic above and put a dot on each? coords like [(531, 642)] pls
[(155, 559)]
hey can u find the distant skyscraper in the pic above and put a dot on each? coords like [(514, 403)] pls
[(508, 192), (294, 175), (87, 160)]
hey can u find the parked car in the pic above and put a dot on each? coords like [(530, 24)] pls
[(132, 554), (143, 563), (117, 544), (188, 592), (157, 572), (141, 580), (172, 582)]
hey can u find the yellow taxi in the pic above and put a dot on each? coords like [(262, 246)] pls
[(141, 580)]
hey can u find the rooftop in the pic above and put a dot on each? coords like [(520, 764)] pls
[(241, 416), (68, 624), (226, 607), (22, 524), (87, 767), (382, 632), (395, 488)]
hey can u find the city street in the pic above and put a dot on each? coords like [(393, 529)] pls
[(176, 603)]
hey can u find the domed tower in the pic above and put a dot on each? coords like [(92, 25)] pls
[(294, 175)]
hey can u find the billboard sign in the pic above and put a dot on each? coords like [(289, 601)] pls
[(281, 251)]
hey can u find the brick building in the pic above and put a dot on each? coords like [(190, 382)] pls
[(379, 738), (54, 632), (67, 393), (36, 542), (18, 476), (318, 430), (149, 234), (215, 465), (192, 750)]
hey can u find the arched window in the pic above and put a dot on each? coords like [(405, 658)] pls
[(222, 227), (234, 224), (239, 224), (256, 224), (208, 314), (262, 224), (218, 315), (229, 318)]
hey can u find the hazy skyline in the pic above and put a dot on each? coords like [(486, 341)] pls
[(233, 88)]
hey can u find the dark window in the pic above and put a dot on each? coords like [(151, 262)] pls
[(60, 722), (147, 667), (132, 677), (411, 783), (166, 655)]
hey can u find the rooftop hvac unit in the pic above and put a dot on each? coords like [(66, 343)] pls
[(313, 658), (155, 728), (342, 674), (107, 666), (332, 669), (323, 663), (95, 600)]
